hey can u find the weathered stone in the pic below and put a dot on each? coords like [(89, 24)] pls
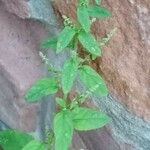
[(78, 143), (20, 66), (18, 7), (37, 10), (102, 140), (125, 126), (124, 64), (3, 126)]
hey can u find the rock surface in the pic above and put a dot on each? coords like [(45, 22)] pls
[(20, 66), (17, 7), (125, 66), (31, 9)]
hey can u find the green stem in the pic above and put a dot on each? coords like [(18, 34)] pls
[(65, 97)]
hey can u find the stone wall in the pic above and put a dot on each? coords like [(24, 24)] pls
[(124, 64)]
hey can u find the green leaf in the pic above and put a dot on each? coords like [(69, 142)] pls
[(98, 2), (83, 2), (87, 119), (41, 88), (61, 102), (50, 139), (89, 43), (65, 38), (69, 74), (94, 57), (34, 145), (74, 104), (97, 11), (14, 140), (83, 17), (63, 129), (92, 79), (50, 43)]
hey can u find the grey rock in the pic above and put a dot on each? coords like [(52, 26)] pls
[(125, 126), (20, 66), (39, 10)]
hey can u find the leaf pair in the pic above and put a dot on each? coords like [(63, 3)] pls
[(80, 119), (88, 76), (84, 13), (16, 140), (87, 40), (62, 41)]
